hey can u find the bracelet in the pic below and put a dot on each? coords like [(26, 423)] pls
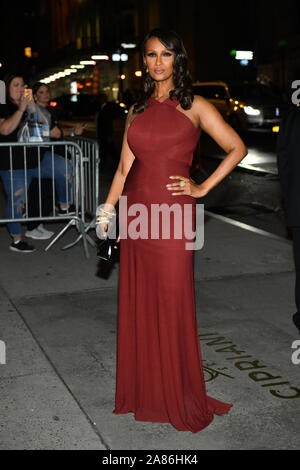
[(102, 220), (106, 213)]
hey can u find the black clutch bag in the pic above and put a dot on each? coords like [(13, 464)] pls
[(105, 249), (107, 246)]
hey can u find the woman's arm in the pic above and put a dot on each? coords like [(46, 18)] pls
[(213, 124), (77, 130), (126, 160), (57, 132), (225, 136), (9, 125)]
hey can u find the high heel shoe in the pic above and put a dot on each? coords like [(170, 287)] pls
[(296, 320)]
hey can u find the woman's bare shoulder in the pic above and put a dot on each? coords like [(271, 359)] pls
[(201, 103), (202, 107)]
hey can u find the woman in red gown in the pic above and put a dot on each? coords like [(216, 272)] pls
[(159, 369)]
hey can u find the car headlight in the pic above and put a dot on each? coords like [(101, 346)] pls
[(251, 111)]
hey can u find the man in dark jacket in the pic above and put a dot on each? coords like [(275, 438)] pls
[(288, 160), (105, 132)]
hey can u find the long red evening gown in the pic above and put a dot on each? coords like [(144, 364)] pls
[(159, 368)]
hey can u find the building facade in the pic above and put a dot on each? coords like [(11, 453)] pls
[(60, 33)]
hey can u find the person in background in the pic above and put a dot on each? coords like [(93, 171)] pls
[(41, 95), (12, 170), (105, 131), (288, 161)]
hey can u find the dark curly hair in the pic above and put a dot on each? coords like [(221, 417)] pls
[(37, 86), (181, 75), (7, 80)]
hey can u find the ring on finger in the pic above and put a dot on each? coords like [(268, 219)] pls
[(182, 183)]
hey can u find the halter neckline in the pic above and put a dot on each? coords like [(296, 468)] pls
[(167, 100)]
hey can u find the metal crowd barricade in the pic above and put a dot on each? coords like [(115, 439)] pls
[(73, 151), (90, 186)]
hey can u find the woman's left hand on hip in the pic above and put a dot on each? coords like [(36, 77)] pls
[(186, 186)]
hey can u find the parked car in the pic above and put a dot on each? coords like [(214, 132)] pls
[(246, 106)]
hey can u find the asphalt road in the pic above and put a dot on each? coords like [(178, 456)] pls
[(252, 192)]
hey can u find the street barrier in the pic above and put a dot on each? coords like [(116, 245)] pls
[(90, 184), (83, 180)]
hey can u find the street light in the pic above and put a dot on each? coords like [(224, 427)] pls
[(100, 57), (244, 55), (87, 62), (128, 45)]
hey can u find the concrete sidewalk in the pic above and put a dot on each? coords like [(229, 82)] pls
[(58, 320)]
